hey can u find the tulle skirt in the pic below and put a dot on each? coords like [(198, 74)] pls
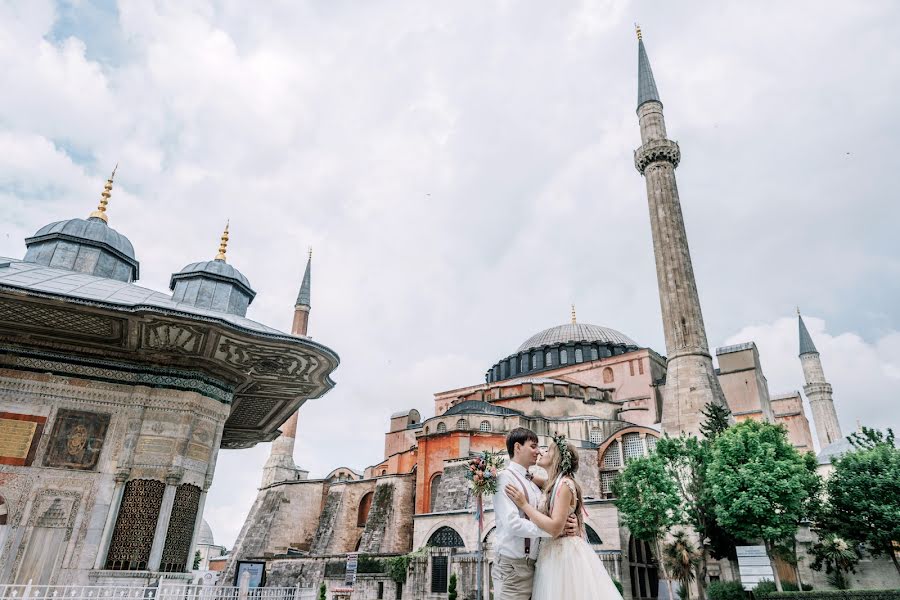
[(567, 568)]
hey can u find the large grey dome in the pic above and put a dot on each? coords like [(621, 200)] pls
[(576, 332), (84, 245)]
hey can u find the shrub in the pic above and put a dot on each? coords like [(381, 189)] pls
[(369, 564), (451, 588), (765, 587), (322, 592), (725, 590)]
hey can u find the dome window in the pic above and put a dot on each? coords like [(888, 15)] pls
[(524, 364), (441, 428), (579, 356), (534, 361), (485, 426), (548, 359), (563, 357), (594, 354), (462, 424)]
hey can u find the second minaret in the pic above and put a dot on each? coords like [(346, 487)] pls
[(691, 381)]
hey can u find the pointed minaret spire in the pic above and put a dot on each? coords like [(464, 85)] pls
[(646, 84), (818, 390), (304, 301), (223, 243), (806, 344), (691, 381), (100, 213)]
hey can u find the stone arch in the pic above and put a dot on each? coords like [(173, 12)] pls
[(434, 487), (608, 375), (362, 513), (446, 537), (618, 449)]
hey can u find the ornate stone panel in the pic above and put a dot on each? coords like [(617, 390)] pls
[(59, 321), (129, 549), (266, 362), (77, 439), (172, 337), (181, 529)]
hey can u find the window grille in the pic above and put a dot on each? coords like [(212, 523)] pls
[(634, 447), (548, 360), (606, 482), (462, 424), (446, 537), (594, 354), (611, 459), (181, 529), (441, 427), (579, 356), (651, 443), (485, 426), (438, 574), (563, 357), (129, 549), (596, 435)]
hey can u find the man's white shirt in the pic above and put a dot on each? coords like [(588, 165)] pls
[(512, 529)]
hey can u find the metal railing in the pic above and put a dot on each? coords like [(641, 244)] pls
[(165, 591)]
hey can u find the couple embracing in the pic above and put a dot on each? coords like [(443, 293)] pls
[(541, 550)]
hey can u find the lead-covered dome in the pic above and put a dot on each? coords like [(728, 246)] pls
[(576, 332), (561, 346), (84, 245)]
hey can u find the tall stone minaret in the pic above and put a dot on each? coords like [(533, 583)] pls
[(817, 390), (691, 381), (280, 466)]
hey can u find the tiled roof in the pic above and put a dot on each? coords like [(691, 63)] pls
[(576, 332)]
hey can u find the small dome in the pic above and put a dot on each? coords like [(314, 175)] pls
[(212, 284), (576, 332), (216, 268), (84, 245), (205, 535)]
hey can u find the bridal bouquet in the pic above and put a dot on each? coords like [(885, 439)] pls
[(482, 473)]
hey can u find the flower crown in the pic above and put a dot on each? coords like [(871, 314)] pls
[(565, 454)]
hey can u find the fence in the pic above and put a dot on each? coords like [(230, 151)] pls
[(166, 591)]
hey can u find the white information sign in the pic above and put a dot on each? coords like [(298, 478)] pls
[(754, 565)]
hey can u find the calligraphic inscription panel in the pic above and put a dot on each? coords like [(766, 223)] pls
[(77, 440), (19, 436)]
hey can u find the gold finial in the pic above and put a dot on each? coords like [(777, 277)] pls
[(573, 315), (637, 30), (100, 213), (223, 245)]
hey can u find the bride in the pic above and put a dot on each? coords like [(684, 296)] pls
[(567, 567)]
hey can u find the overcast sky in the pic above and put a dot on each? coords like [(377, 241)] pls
[(464, 172)]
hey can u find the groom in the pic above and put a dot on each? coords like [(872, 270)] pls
[(517, 539)]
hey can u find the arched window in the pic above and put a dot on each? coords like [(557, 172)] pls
[(592, 536), (579, 357), (596, 435), (363, 513), (485, 426), (384, 471), (462, 424), (642, 566), (524, 363), (534, 358), (446, 537), (594, 354), (563, 357), (441, 427), (435, 490), (548, 360), (427, 430), (608, 375), (623, 448)]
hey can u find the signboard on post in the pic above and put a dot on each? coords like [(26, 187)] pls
[(754, 565), (352, 562)]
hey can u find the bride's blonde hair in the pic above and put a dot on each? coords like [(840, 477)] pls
[(565, 463)]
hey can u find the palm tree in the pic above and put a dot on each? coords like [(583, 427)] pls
[(681, 559)]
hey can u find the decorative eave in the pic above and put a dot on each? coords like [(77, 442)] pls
[(264, 376)]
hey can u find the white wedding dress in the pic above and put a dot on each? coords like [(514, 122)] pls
[(568, 568)]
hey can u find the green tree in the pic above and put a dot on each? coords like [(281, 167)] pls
[(682, 560), (761, 485), (864, 494), (322, 591), (717, 418), (451, 588), (649, 503), (197, 559)]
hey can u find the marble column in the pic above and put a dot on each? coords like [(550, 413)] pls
[(162, 523), (114, 504)]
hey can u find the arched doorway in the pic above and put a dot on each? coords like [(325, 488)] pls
[(643, 570)]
